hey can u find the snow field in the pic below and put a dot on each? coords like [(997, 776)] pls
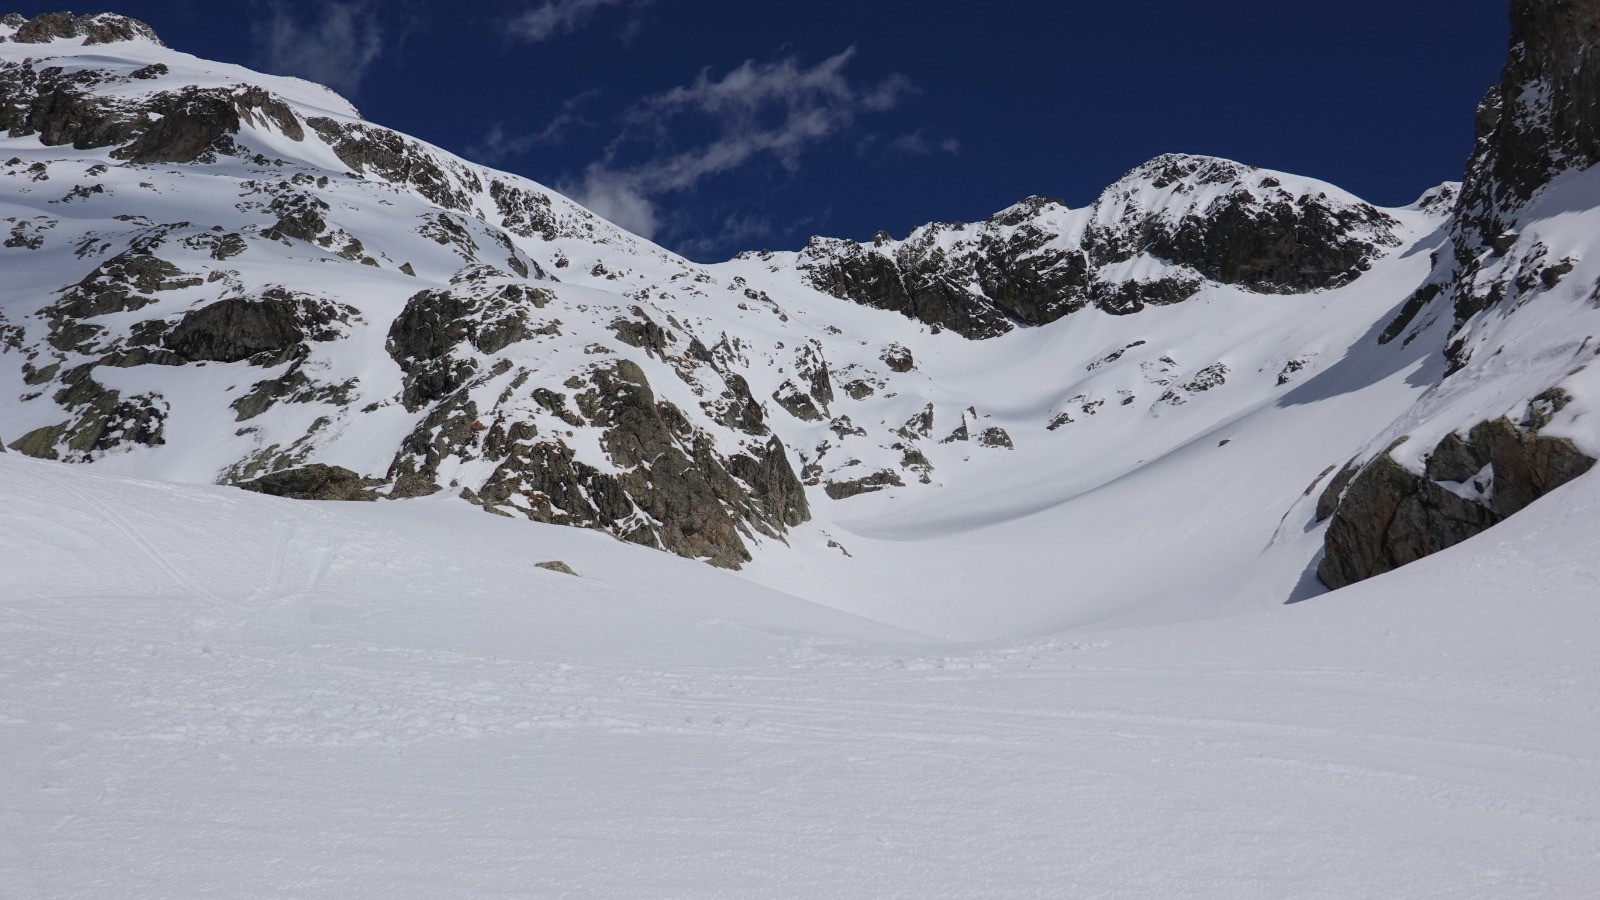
[(212, 693)]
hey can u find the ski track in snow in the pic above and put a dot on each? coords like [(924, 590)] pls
[(346, 728), (1065, 668)]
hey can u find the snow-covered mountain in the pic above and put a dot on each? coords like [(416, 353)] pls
[(219, 276), (1023, 511)]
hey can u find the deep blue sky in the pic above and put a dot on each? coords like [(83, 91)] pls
[(721, 125)]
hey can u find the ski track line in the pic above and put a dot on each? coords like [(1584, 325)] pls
[(149, 550), (975, 718)]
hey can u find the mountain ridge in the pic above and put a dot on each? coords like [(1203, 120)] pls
[(514, 349)]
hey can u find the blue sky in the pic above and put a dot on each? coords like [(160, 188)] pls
[(715, 126)]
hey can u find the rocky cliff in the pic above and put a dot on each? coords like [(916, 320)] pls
[(1514, 287), (1155, 237)]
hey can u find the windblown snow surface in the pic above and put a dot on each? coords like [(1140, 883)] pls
[(212, 693), (1093, 663)]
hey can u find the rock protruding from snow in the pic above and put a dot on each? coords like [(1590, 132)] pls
[(315, 482), (1153, 238), (101, 28), (1542, 119), (1388, 515), (1238, 225), (182, 125)]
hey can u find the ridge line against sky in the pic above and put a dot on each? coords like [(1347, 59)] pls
[(714, 127)]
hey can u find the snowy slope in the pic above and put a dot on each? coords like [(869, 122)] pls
[(314, 289), (215, 693), (1028, 517), (227, 275)]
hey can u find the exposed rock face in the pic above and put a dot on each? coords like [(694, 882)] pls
[(127, 281), (674, 490), (185, 126), (1209, 219), (670, 486), (897, 358), (877, 481), (1389, 516), (487, 316), (1237, 226), (103, 28), (1023, 277), (314, 482), (181, 126), (1543, 118), (390, 156), (102, 419), (62, 107), (238, 329)]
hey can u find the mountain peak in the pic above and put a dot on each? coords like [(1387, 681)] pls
[(98, 28)]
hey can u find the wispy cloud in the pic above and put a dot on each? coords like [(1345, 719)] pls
[(335, 47), (737, 229), (770, 110), (557, 17), (918, 144), (499, 145)]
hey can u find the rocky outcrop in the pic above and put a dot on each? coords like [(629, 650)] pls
[(273, 327), (385, 154), (197, 123), (1542, 119), (1206, 219), (181, 126), (667, 484), (1020, 277), (1237, 226), (672, 489), (1388, 515), (103, 28), (314, 482), (102, 419), (127, 281), (486, 316), (877, 481)]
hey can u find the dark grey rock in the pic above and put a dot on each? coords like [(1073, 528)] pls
[(897, 358), (798, 402), (877, 481), (1328, 502), (314, 482), (274, 326), (397, 159), (1013, 269), (1543, 118), (486, 316), (104, 28), (1390, 516), (994, 436)]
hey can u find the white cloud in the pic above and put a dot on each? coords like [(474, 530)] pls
[(335, 48), (617, 197), (739, 230), (772, 109), (498, 145), (918, 144), (558, 17)]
